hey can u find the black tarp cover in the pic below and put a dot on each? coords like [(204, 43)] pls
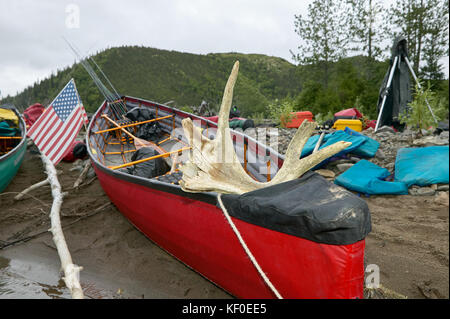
[(148, 131), (148, 169), (309, 207), (399, 93)]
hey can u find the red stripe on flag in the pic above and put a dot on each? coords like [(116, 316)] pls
[(56, 137), (46, 134), (43, 119), (65, 140), (59, 155), (49, 135)]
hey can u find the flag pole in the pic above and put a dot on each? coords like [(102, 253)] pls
[(81, 103)]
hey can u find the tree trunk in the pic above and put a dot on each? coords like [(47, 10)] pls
[(370, 30)]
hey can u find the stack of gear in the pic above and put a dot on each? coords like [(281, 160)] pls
[(9, 127), (147, 169), (149, 131), (350, 118), (9, 122), (235, 122), (348, 114), (76, 151), (241, 123), (32, 113)]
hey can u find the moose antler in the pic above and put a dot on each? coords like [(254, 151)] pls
[(214, 166)]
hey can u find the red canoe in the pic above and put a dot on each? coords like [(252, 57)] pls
[(194, 230)]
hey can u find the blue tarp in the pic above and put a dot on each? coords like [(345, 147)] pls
[(422, 166), (366, 149), (332, 138), (361, 145), (368, 178)]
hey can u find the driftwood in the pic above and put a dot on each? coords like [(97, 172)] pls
[(20, 195), (29, 189), (83, 174), (71, 271), (214, 166)]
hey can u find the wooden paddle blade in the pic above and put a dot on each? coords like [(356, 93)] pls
[(140, 143)]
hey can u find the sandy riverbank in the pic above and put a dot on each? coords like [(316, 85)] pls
[(409, 243)]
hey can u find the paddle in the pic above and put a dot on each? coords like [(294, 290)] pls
[(138, 143)]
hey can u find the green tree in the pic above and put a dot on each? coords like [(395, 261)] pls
[(324, 35), (436, 43), (366, 26), (423, 23)]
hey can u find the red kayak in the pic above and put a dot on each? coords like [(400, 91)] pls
[(303, 251)]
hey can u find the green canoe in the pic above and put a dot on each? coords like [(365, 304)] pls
[(11, 161)]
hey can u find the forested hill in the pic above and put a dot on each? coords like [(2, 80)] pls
[(161, 75), (264, 83)]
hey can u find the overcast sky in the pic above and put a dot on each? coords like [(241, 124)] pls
[(32, 45)]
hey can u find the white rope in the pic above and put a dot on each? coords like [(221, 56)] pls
[(247, 250)]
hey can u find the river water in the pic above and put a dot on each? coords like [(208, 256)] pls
[(16, 281)]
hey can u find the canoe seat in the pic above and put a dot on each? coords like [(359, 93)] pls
[(172, 178)]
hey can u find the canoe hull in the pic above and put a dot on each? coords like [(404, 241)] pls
[(197, 233), (11, 161), (10, 164)]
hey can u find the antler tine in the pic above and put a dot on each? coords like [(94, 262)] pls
[(227, 100), (293, 166), (294, 150)]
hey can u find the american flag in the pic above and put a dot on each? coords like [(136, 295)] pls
[(56, 129)]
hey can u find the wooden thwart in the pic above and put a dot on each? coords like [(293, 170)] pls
[(133, 124), (167, 154), (138, 143), (118, 153)]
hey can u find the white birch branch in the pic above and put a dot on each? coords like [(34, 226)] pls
[(71, 271), (29, 189)]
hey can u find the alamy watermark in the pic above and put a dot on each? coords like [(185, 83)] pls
[(253, 147), (72, 16), (373, 276)]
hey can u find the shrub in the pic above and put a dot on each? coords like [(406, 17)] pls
[(281, 111), (417, 115)]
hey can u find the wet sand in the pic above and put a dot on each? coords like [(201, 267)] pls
[(409, 243), (118, 260)]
